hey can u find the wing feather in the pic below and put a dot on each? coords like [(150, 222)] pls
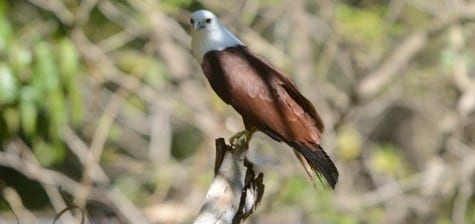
[(262, 94), (267, 99)]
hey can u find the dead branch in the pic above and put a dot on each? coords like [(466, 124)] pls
[(235, 191)]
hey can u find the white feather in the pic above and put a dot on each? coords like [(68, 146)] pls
[(209, 36)]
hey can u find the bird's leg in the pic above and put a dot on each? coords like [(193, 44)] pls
[(242, 137)]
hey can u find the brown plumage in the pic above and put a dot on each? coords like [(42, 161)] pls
[(270, 102)]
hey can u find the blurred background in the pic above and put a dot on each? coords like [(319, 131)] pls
[(102, 107)]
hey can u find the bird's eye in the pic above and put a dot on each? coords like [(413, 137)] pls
[(192, 21), (208, 20)]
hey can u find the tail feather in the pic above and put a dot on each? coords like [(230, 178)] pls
[(318, 161)]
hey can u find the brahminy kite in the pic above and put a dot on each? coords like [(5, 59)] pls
[(266, 99)]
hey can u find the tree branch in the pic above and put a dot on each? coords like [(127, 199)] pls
[(235, 191)]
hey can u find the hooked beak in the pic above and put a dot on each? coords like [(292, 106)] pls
[(199, 25)]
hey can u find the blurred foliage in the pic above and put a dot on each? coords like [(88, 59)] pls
[(349, 143), (386, 160), (115, 79), (39, 91), (361, 24)]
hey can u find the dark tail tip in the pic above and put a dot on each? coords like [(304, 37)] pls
[(319, 161), (326, 167)]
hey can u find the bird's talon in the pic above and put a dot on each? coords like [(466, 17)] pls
[(241, 138), (237, 138)]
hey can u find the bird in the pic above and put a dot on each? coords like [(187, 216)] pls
[(267, 100)]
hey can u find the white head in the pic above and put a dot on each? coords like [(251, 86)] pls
[(209, 34)]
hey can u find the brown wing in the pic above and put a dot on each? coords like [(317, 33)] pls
[(268, 100), (262, 95)]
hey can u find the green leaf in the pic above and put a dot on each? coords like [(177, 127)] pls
[(362, 24), (57, 109), (295, 189), (46, 73), (387, 160), (349, 143), (6, 31), (28, 111), (69, 70), (12, 119), (47, 153), (8, 85), (174, 5), (68, 60), (76, 104), (3, 9), (19, 57)]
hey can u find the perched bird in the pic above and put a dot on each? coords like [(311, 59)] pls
[(265, 98)]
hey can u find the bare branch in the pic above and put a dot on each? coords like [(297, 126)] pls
[(18, 209), (235, 191)]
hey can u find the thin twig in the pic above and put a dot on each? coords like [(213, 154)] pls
[(97, 144)]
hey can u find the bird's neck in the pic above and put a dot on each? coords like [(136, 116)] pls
[(210, 40)]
